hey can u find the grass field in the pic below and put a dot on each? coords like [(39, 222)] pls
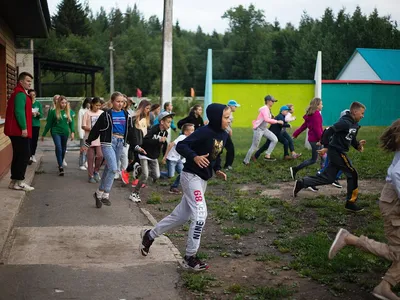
[(263, 244)]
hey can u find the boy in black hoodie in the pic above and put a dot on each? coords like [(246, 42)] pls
[(153, 142), (337, 140), (202, 150)]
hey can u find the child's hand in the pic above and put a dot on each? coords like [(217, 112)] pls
[(280, 122), (361, 145), (322, 151), (164, 160), (221, 175), (202, 161), (84, 148), (141, 150)]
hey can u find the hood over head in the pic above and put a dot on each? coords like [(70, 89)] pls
[(214, 114)]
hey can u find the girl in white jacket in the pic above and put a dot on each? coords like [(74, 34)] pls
[(82, 156)]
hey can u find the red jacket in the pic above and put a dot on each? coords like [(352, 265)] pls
[(11, 126), (314, 124)]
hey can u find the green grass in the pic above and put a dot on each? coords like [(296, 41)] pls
[(302, 230), (197, 282)]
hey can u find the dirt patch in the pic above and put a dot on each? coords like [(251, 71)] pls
[(243, 262)]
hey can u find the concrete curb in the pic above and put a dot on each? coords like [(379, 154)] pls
[(11, 200)]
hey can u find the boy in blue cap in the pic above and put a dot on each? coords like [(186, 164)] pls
[(277, 130), (230, 148)]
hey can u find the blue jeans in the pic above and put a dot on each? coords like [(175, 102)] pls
[(326, 164), (173, 166), (111, 154), (60, 141)]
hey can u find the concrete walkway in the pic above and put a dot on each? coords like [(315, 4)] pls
[(57, 245)]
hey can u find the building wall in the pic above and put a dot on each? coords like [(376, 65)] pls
[(24, 61), (381, 101), (250, 95), (7, 37), (358, 69)]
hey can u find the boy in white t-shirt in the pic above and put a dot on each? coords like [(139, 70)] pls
[(174, 160)]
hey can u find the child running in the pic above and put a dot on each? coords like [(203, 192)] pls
[(60, 122), (82, 156), (113, 127), (230, 148), (152, 145), (337, 142), (194, 117), (260, 129), (312, 121), (389, 205), (94, 154), (202, 151), (174, 160), (278, 130)]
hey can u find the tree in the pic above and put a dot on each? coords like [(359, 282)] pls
[(71, 18)]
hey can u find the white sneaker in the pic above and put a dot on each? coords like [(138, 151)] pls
[(83, 168), (33, 159), (135, 197), (64, 163), (86, 165), (116, 176), (22, 186)]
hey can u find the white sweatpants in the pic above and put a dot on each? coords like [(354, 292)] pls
[(192, 207), (257, 135)]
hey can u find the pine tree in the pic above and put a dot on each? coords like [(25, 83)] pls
[(71, 18)]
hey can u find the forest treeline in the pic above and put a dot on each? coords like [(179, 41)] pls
[(251, 48)]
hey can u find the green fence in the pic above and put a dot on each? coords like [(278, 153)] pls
[(381, 100)]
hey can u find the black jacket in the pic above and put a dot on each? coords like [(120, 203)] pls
[(151, 142), (209, 139), (104, 128), (192, 119), (277, 128), (342, 134)]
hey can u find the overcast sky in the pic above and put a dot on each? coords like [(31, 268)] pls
[(207, 13)]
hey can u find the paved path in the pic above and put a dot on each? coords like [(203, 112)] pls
[(62, 247)]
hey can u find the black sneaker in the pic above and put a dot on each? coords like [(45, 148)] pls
[(293, 172), (60, 171), (313, 189), (106, 201), (194, 263), (98, 201), (337, 184), (351, 206), (298, 186), (147, 241)]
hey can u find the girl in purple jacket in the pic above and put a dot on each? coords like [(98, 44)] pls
[(312, 122)]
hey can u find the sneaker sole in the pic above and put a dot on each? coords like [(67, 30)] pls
[(312, 190), (337, 186), (379, 296), (354, 211), (189, 268), (291, 173), (334, 243), (141, 247), (294, 189)]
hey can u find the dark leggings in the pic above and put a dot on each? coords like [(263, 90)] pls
[(312, 160)]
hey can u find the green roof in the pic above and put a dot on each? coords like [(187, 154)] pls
[(385, 62)]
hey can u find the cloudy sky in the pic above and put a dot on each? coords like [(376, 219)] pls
[(207, 13)]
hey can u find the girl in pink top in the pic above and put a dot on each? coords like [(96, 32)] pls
[(94, 153), (260, 129), (312, 121)]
